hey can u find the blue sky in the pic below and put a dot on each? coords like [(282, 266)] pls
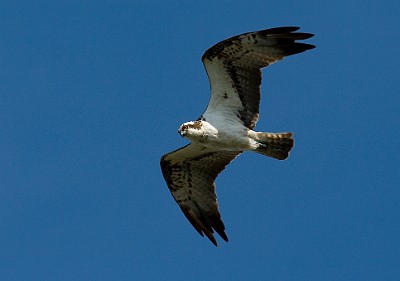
[(93, 92)]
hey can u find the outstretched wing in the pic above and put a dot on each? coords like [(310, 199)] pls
[(233, 68), (190, 173)]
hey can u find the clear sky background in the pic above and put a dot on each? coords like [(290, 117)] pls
[(92, 94)]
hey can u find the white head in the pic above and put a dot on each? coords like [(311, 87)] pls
[(192, 130)]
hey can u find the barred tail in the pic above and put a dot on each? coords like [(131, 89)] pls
[(276, 145)]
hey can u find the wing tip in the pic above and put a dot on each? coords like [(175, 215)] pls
[(297, 48), (288, 31), (286, 34), (281, 29), (205, 229), (214, 241)]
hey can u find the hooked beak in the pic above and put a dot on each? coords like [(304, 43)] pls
[(182, 133)]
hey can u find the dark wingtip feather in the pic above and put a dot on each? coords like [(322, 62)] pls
[(223, 236), (303, 35), (296, 48), (212, 239), (287, 33), (281, 29), (291, 36), (201, 228)]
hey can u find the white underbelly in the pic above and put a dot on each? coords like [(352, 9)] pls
[(231, 142)]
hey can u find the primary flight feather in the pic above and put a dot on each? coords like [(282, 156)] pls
[(225, 129)]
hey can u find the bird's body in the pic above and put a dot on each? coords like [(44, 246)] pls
[(225, 129), (232, 138)]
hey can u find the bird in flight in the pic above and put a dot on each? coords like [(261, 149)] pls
[(225, 129)]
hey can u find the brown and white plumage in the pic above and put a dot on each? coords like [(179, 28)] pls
[(190, 173), (225, 129)]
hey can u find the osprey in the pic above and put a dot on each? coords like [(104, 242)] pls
[(225, 129)]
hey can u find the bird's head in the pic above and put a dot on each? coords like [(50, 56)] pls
[(191, 130)]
